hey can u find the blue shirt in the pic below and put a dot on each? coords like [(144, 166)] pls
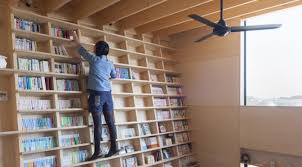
[(100, 71)]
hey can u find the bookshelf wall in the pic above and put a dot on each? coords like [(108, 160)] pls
[(49, 99)]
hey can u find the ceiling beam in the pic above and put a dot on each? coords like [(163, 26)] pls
[(83, 9), (233, 13), (53, 5), (202, 10), (122, 9), (157, 12)]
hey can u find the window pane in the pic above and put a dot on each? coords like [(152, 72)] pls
[(274, 60)]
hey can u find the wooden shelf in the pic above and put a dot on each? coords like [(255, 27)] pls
[(70, 110), (6, 71)]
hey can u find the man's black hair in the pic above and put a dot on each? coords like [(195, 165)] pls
[(101, 48)]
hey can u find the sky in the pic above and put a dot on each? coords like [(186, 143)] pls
[(274, 57)]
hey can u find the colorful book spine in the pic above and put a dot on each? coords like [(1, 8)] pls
[(67, 68), (122, 73), (67, 121), (70, 103), (37, 122), (73, 157), (34, 83), (60, 32), (38, 143), (67, 85), (49, 161), (130, 162), (29, 103), (25, 44), (33, 65), (26, 25), (59, 50), (70, 139)]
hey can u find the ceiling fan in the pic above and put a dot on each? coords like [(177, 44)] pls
[(221, 29)]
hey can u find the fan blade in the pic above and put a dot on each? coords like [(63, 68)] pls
[(204, 21), (204, 38), (255, 27)]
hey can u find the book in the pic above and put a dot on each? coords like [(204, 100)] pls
[(70, 139), (181, 125), (69, 103), (26, 25), (25, 44), (60, 32), (34, 83), (31, 103), (163, 114), (67, 68), (35, 122), (143, 144), (67, 121), (74, 156), (182, 137), (188, 161), (176, 102), (160, 102), (169, 164), (130, 162), (33, 65), (184, 149), (172, 79), (127, 132), (151, 142), (167, 153), (49, 161), (67, 85), (162, 127), (122, 73), (145, 128), (178, 114), (174, 90), (157, 90), (38, 143), (103, 164), (149, 159), (59, 50), (167, 139)]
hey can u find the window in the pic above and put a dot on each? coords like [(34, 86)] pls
[(272, 60)]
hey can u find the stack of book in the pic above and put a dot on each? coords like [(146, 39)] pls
[(67, 121), (145, 129), (167, 153), (130, 162), (26, 25), (157, 90), (67, 68), (181, 125), (154, 77), (182, 137), (122, 73), (59, 50), (70, 103), (103, 164), (127, 132), (184, 149), (163, 114), (174, 90), (38, 143), (126, 149), (160, 102), (25, 44), (72, 157), (135, 75), (33, 65), (34, 83), (151, 142), (152, 158), (49, 161), (176, 102), (36, 122), (167, 139), (67, 85), (59, 32), (162, 127), (29, 103), (178, 114), (70, 139), (172, 79)]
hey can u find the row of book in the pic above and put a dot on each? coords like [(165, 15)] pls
[(157, 90), (184, 149), (25, 44), (105, 133), (49, 161), (128, 148), (168, 153), (149, 142), (67, 85), (59, 50), (38, 143), (178, 114), (67, 68), (69, 103), (181, 125), (176, 102), (34, 83), (30, 103), (67, 121), (156, 77), (153, 157), (26, 25), (167, 139), (72, 157), (172, 79), (70, 139), (122, 73), (160, 102), (145, 129), (130, 162), (33, 65), (37, 122), (182, 137), (162, 127), (127, 132), (103, 164), (59, 32), (163, 114), (174, 90)]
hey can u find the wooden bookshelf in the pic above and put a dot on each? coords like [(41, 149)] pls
[(134, 98)]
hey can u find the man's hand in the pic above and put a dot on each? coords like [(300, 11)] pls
[(75, 42)]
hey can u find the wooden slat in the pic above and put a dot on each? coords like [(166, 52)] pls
[(87, 8), (122, 9), (229, 14), (157, 12), (202, 10), (52, 5)]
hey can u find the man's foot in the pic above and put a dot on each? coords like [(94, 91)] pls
[(112, 152), (95, 156)]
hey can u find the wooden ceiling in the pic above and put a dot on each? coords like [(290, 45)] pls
[(163, 17)]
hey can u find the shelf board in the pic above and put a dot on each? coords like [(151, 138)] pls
[(51, 111), (145, 95), (46, 74), (46, 92), (6, 71), (119, 80), (9, 133)]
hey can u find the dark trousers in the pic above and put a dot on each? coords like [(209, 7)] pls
[(101, 102)]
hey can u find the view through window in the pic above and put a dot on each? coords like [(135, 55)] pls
[(273, 60)]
